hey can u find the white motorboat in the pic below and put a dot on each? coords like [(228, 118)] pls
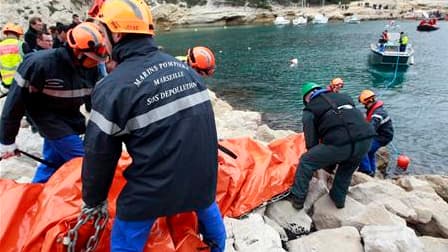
[(390, 53), (281, 21), (320, 19), (352, 20), (299, 21)]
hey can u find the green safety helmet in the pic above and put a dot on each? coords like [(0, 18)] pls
[(308, 87)]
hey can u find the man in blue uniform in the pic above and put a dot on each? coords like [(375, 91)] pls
[(335, 133), (377, 116), (160, 109), (50, 86)]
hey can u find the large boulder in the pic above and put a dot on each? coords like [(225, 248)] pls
[(266, 134), (384, 193), (374, 214), (238, 123), (439, 183), (344, 239), (410, 183), (280, 230), (253, 234), (391, 239), (317, 189), (220, 107), (434, 244), (359, 178), (296, 222), (432, 207), (326, 215)]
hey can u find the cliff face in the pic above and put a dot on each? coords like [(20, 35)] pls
[(169, 13)]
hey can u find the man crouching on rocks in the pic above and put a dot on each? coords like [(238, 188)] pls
[(345, 138)]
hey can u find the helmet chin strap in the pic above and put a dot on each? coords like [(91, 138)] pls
[(110, 37)]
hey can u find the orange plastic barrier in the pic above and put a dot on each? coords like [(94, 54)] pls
[(36, 217)]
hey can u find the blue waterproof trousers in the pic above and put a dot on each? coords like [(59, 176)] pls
[(368, 162), (58, 151), (131, 236)]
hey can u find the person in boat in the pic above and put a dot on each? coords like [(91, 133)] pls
[(404, 39), (379, 119), (12, 51), (432, 21), (161, 110), (336, 85), (423, 22), (335, 133), (49, 87), (384, 39)]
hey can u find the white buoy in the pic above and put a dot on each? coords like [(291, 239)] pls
[(220, 51), (294, 61), (195, 29), (249, 48), (225, 27)]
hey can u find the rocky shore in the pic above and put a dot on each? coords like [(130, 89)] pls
[(406, 214), (217, 13)]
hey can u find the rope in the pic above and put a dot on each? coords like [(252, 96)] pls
[(395, 150)]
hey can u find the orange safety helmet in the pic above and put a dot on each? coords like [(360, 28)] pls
[(366, 96), (201, 59), (87, 39), (10, 27), (126, 16)]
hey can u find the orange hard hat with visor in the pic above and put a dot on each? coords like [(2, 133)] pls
[(202, 59), (87, 39)]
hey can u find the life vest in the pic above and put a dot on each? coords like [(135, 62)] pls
[(404, 40), (371, 111), (11, 55), (336, 118)]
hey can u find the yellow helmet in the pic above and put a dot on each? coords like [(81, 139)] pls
[(366, 96), (127, 16)]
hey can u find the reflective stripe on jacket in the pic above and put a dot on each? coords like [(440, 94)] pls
[(160, 109), (381, 122), (51, 89)]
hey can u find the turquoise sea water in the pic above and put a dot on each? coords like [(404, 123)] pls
[(253, 73)]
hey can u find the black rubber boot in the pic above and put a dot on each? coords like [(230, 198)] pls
[(296, 202)]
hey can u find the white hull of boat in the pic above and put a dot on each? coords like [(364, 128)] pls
[(320, 19), (281, 21), (352, 20), (390, 55), (299, 21)]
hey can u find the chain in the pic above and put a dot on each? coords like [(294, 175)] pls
[(276, 198), (99, 215)]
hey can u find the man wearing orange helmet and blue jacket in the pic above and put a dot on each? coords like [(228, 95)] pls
[(377, 116), (160, 109), (50, 86)]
